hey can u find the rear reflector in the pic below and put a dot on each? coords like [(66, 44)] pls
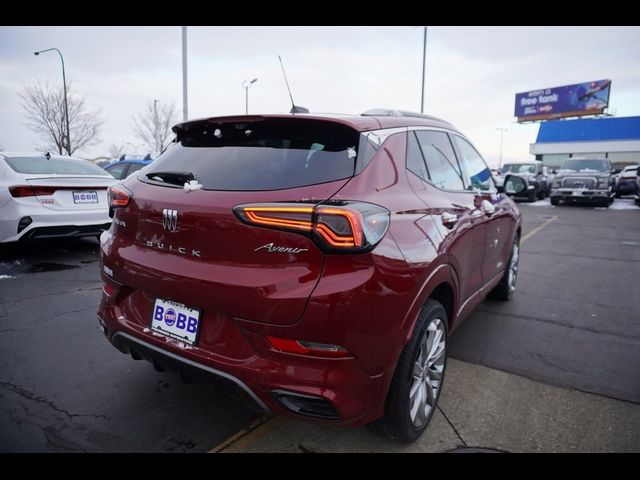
[(301, 347)]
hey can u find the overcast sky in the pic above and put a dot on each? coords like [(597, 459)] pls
[(472, 73)]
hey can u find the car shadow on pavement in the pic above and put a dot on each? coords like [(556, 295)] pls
[(47, 255)]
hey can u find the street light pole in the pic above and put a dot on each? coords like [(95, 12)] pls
[(66, 105), (501, 130), (424, 65), (246, 84)]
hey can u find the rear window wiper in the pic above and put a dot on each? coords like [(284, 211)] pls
[(174, 178)]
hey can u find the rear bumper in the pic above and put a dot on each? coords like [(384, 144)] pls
[(569, 194), (335, 391), (50, 224), (189, 370)]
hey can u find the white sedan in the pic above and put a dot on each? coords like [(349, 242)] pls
[(51, 196)]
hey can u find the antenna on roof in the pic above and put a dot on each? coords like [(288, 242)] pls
[(294, 109)]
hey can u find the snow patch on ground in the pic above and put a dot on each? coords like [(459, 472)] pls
[(540, 203), (6, 277), (624, 204)]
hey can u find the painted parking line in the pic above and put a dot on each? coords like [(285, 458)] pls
[(246, 436), (537, 229)]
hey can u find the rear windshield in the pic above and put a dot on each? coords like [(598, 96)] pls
[(586, 165), (40, 165), (267, 154)]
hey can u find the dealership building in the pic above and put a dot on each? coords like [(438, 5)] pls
[(615, 138)]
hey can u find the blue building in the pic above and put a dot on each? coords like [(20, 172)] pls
[(616, 138)]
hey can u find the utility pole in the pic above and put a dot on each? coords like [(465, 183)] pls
[(424, 65), (501, 130), (185, 98)]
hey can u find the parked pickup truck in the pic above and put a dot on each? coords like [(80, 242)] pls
[(584, 180)]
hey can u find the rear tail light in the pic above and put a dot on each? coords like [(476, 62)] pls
[(119, 197), (31, 191), (336, 227), (301, 347)]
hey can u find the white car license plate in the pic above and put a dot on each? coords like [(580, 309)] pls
[(576, 193), (175, 320), (89, 196)]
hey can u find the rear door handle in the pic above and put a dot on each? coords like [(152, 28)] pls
[(449, 220)]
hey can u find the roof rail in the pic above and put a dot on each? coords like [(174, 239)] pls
[(389, 112)]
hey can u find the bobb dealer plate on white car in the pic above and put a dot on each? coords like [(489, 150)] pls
[(90, 196), (175, 320)]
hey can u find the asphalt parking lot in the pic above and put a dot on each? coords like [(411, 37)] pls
[(555, 369)]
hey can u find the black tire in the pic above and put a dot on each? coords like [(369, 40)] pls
[(541, 194), (555, 201), (532, 196), (504, 290), (397, 423)]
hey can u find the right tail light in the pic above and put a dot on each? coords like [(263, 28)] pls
[(337, 227)]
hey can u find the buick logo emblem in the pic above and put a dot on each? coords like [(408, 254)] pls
[(170, 219)]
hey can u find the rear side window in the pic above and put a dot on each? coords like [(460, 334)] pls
[(265, 154), (415, 161), (444, 171), (478, 172), (42, 165)]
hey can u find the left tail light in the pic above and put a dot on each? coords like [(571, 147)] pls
[(119, 197), (337, 227), (18, 191)]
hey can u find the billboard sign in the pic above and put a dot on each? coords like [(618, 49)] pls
[(590, 98)]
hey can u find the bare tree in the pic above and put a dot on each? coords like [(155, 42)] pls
[(116, 150), (153, 125), (44, 107)]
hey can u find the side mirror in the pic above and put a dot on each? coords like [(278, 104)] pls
[(514, 185)]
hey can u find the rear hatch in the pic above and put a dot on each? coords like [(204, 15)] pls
[(186, 244)]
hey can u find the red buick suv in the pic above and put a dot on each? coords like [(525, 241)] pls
[(315, 264)]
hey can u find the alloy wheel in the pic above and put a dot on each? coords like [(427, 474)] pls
[(427, 373), (513, 267)]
